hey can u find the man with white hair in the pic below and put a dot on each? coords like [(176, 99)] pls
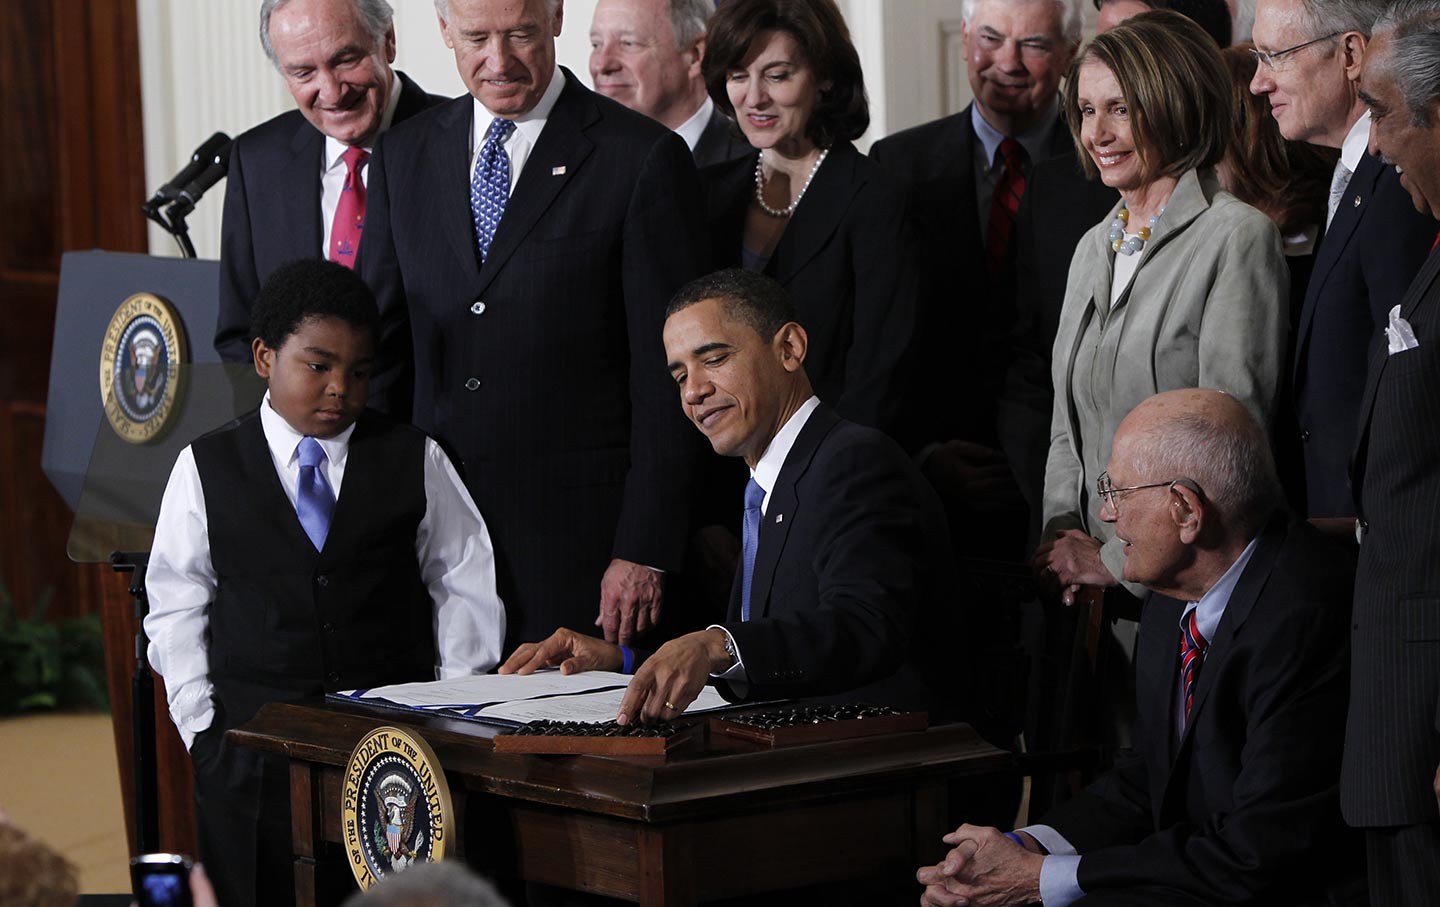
[(1391, 781), (528, 236), (1308, 56), (1231, 793), (296, 184), (646, 55), (965, 176)]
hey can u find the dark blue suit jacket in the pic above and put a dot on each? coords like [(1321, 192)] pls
[(543, 371), (854, 583), (1364, 262), (272, 211)]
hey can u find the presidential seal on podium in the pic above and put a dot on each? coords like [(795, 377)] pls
[(395, 808), (139, 367)]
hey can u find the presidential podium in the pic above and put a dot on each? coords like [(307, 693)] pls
[(726, 819)]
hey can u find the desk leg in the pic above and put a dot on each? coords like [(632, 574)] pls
[(305, 829), (667, 870)]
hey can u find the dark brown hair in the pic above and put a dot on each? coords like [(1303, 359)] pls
[(819, 30), (1288, 180), (1175, 87)]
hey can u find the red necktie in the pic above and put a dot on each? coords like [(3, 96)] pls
[(1435, 243), (1004, 205), (1192, 656), (350, 212)]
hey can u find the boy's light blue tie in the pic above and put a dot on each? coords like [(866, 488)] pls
[(749, 542), (314, 499), (490, 185)]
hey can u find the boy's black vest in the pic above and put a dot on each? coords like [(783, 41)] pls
[(289, 621)]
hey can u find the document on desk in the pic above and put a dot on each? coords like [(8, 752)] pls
[(587, 696)]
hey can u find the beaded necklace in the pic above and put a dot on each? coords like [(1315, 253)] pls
[(760, 186), (1133, 244)]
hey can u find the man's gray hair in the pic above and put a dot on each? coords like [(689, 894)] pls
[(443, 8), (1413, 61), (689, 18), (1071, 25), (1334, 16), (1232, 465), (376, 15), (442, 884)]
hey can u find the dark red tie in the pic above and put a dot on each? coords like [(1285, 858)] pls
[(1435, 243), (1192, 656), (350, 212), (1004, 205)]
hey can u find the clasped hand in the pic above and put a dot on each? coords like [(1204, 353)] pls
[(983, 868)]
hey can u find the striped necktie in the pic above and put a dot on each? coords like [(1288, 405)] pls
[(1192, 656), (1004, 206)]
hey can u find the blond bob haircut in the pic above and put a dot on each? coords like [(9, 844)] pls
[(1176, 87)]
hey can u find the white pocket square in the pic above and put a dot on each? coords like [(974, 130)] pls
[(1399, 334)]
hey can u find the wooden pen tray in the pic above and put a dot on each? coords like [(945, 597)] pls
[(600, 738), (817, 724)]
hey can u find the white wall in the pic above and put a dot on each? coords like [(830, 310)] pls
[(202, 70)]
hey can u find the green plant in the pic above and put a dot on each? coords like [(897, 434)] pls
[(47, 665)]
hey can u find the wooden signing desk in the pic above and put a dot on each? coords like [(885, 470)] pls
[(722, 820)]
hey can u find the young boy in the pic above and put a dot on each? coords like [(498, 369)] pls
[(308, 547)]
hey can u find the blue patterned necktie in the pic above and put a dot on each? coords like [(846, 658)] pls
[(314, 500), (490, 185), (749, 542)]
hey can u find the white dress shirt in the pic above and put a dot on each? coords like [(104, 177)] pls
[(766, 473), (452, 547), (1060, 871), (692, 129), (333, 169), (528, 127)]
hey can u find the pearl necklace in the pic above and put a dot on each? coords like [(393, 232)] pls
[(760, 186), (1133, 244)]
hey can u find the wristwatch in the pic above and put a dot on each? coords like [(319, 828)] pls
[(730, 650)]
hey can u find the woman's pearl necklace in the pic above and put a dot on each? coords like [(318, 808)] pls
[(760, 186), (1133, 244)]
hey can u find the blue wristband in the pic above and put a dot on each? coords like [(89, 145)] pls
[(629, 666), (1016, 838)]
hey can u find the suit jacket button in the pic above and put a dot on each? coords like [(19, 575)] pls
[(328, 627), (473, 384), (333, 676), (1305, 435), (478, 308), (322, 580)]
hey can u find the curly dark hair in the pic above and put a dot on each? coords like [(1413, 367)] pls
[(819, 29), (312, 288)]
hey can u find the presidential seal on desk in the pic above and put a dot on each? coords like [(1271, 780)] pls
[(139, 367), (395, 808)]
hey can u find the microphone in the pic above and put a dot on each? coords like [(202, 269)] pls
[(213, 172), (203, 157)]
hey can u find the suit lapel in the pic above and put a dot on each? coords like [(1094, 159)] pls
[(301, 179), (1157, 664), (1379, 357), (1333, 243), (783, 507), (447, 156), (819, 214), (552, 165)]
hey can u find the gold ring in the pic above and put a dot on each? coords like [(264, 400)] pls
[(671, 706)]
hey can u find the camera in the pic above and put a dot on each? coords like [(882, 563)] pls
[(161, 879)]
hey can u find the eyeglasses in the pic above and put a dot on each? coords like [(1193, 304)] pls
[(1271, 57), (1111, 495)]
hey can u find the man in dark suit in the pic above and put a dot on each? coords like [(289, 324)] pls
[(1231, 794), (528, 235), (965, 176), (847, 555), (646, 55), (1372, 245), (1391, 781), (288, 175)]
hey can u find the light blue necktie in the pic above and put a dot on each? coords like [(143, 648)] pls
[(490, 185), (749, 542), (314, 499)]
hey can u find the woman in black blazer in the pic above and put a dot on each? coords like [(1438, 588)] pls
[(808, 209)]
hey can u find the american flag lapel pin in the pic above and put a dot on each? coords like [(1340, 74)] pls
[(779, 517), (558, 171)]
